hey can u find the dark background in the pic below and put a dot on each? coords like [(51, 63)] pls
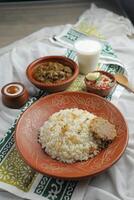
[(127, 6)]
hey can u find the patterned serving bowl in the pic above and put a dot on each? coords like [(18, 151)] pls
[(33, 118)]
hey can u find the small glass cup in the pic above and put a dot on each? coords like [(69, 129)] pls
[(88, 53)]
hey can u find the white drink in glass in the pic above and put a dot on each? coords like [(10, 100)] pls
[(88, 52)]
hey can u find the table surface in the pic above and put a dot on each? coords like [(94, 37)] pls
[(20, 20)]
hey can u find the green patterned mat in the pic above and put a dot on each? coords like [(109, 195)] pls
[(20, 179)]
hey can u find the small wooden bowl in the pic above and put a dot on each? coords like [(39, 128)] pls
[(14, 95), (100, 91), (52, 87)]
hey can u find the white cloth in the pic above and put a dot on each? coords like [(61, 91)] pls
[(108, 23), (117, 182)]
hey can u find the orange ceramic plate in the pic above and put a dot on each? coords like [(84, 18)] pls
[(33, 118)]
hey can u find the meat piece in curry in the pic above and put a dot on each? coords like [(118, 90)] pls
[(52, 72)]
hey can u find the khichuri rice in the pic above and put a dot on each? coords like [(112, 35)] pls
[(66, 136)]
